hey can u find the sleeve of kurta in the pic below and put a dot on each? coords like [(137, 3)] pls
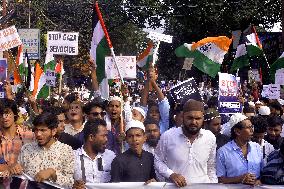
[(220, 164), (164, 109), (160, 158), (64, 177), (127, 111), (116, 171), (211, 164)]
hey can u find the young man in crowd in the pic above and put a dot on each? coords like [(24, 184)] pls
[(153, 134), (61, 136), (198, 166), (135, 164), (94, 110), (93, 160), (274, 130), (240, 160), (260, 129), (47, 159), (13, 136), (212, 122)]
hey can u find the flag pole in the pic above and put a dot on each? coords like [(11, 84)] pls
[(60, 76)]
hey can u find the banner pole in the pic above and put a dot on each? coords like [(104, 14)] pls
[(114, 58)]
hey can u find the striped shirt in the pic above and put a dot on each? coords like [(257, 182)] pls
[(10, 148)]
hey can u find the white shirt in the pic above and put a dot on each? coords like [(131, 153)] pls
[(267, 148), (93, 175), (148, 148), (196, 162)]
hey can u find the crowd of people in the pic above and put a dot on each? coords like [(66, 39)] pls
[(140, 139)]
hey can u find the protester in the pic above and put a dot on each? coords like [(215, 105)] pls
[(274, 130), (152, 131), (75, 117), (13, 136), (93, 160), (240, 160), (212, 122), (94, 110), (46, 159), (258, 104), (272, 173), (135, 164), (178, 116), (249, 111), (200, 145), (260, 128)]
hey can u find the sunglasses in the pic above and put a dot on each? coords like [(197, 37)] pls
[(95, 114)]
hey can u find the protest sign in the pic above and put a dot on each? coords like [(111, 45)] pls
[(50, 78), (271, 91), (279, 76), (228, 94), (253, 75), (265, 91), (3, 69), (126, 65), (9, 38), (62, 43), (31, 42), (184, 91)]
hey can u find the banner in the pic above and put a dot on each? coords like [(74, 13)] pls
[(9, 38), (62, 43), (279, 76), (126, 65), (31, 42), (184, 91), (228, 101), (50, 78), (271, 91), (3, 69)]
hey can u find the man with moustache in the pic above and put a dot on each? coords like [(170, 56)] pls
[(93, 160), (47, 159), (187, 154), (153, 134)]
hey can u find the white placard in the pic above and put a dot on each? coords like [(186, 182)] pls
[(50, 78), (62, 43), (280, 71), (160, 37), (274, 91), (31, 42), (279, 78), (265, 91), (254, 75), (9, 38), (126, 65)]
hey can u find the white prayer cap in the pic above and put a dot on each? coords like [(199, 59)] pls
[(140, 110), (134, 124), (23, 110), (114, 98), (264, 110), (250, 103), (236, 118), (258, 102), (281, 101)]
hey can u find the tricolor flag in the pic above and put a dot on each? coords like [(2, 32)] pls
[(278, 64), (146, 57), (208, 53), (100, 48), (40, 88), (19, 64)]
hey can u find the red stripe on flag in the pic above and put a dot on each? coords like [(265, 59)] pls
[(103, 24), (256, 36)]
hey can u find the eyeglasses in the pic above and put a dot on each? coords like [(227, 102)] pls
[(95, 114), (249, 127)]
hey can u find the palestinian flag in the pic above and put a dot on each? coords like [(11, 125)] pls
[(100, 43), (278, 64), (254, 47), (40, 88), (146, 57), (241, 58), (208, 53)]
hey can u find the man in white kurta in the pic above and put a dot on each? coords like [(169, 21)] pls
[(187, 154)]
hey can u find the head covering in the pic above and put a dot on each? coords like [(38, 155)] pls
[(134, 124), (258, 102), (210, 114), (236, 118), (264, 110), (140, 110), (115, 98), (250, 103), (193, 105), (281, 101)]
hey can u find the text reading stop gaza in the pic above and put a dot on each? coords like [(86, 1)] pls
[(64, 37)]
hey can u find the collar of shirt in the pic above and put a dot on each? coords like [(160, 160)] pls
[(130, 152), (84, 153), (237, 148), (52, 146)]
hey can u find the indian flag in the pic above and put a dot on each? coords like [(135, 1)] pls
[(19, 66), (146, 57), (208, 53), (278, 64), (40, 88), (241, 58), (254, 47)]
